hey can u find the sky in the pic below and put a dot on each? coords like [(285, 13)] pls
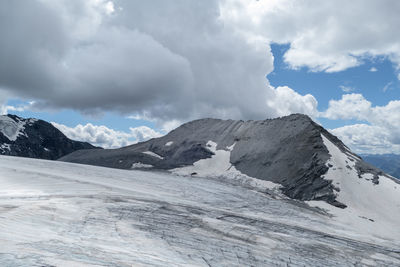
[(116, 72)]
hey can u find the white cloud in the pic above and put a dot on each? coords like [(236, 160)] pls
[(346, 89), (286, 101), (373, 69), (143, 133), (367, 139), (355, 106), (6, 109), (105, 137), (330, 36), (387, 87), (109, 7), (382, 131), (351, 106)]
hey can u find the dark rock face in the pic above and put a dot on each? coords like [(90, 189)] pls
[(35, 139), (289, 151)]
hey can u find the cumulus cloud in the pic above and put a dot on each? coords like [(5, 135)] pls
[(166, 61), (105, 137), (286, 101), (179, 61), (351, 106), (367, 139), (380, 131), (326, 36)]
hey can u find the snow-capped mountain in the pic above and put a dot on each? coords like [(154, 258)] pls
[(35, 139), (293, 152)]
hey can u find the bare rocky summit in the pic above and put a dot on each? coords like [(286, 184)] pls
[(289, 151)]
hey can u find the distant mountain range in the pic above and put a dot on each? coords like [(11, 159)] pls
[(389, 163), (35, 139)]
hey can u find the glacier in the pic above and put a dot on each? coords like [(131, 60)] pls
[(65, 214)]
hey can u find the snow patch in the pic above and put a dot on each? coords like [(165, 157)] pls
[(170, 143), (153, 154), (219, 166), (139, 165)]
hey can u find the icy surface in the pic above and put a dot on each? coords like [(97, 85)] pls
[(62, 214)]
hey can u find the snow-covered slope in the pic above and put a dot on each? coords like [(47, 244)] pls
[(63, 214), (34, 138), (372, 199)]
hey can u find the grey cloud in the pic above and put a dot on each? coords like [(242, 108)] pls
[(229, 73), (163, 59), (32, 42), (124, 70)]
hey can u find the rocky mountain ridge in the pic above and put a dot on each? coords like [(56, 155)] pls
[(289, 151), (35, 138)]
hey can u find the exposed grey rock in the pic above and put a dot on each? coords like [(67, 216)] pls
[(35, 139), (288, 150)]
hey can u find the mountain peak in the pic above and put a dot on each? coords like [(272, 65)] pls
[(34, 138), (290, 151)]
